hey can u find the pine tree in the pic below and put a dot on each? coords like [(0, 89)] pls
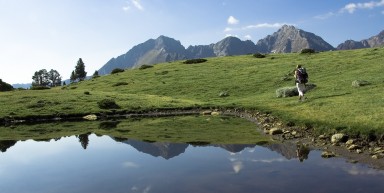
[(73, 77), (80, 70)]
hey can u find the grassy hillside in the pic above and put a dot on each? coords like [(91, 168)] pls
[(250, 83)]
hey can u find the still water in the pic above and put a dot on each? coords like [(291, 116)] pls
[(90, 163)]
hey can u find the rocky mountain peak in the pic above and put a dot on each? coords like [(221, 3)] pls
[(374, 41), (290, 39)]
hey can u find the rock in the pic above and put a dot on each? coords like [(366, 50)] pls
[(275, 131), (215, 113), (339, 137), (91, 117), (206, 112), (353, 147), (359, 151), (322, 137), (350, 142), (327, 154), (377, 156)]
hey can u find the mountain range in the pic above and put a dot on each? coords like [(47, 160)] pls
[(286, 40)]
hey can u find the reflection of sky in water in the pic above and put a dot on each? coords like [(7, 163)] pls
[(109, 166)]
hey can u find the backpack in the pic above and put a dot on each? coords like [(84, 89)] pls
[(302, 75)]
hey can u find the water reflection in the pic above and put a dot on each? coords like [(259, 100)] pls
[(88, 163)]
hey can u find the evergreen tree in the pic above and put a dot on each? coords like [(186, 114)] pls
[(80, 70), (73, 77), (96, 74)]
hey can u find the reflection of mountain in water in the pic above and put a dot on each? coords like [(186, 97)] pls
[(170, 150), (288, 150), (163, 149), (235, 148)]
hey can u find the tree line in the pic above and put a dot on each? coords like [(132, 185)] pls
[(44, 79), (52, 78)]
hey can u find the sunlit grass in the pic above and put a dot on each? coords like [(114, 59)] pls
[(249, 82)]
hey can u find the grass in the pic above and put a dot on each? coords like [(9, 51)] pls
[(249, 83), (181, 129)]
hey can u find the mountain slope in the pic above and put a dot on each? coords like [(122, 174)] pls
[(163, 49), (374, 41), (290, 39)]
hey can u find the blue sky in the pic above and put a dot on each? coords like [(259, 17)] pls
[(54, 34)]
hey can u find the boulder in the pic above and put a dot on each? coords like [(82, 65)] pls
[(327, 154), (275, 131), (91, 117), (339, 137)]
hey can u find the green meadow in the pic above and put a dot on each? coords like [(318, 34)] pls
[(248, 83)]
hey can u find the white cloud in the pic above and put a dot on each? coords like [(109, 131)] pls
[(137, 4), (352, 7), (133, 3), (232, 20), (266, 25), (248, 37), (325, 16)]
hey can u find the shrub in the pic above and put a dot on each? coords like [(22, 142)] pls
[(120, 84), (195, 61), (117, 70), (39, 87), (258, 55), (307, 51), (145, 66), (108, 104)]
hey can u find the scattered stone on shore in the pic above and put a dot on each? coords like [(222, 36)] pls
[(377, 156), (91, 117), (215, 113), (353, 147), (339, 137), (275, 131), (206, 112), (350, 142), (327, 154)]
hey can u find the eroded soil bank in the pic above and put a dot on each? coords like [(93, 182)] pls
[(366, 150)]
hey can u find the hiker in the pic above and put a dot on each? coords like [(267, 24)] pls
[(301, 77)]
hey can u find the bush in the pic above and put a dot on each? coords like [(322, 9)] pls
[(117, 70), (5, 86), (258, 55), (120, 84), (308, 51), (108, 104), (39, 87), (145, 66), (195, 61)]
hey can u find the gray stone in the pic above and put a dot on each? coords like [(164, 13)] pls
[(275, 131), (338, 137)]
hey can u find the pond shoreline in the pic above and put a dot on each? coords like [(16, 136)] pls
[(355, 150)]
